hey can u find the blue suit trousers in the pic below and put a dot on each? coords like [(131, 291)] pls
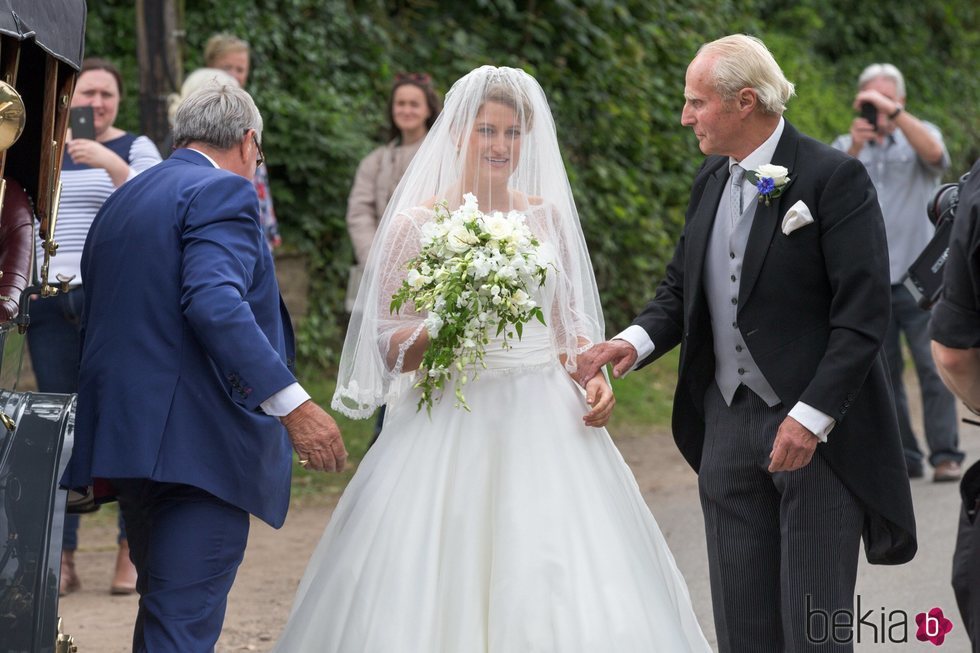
[(187, 545)]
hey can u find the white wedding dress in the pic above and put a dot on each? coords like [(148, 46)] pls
[(513, 528)]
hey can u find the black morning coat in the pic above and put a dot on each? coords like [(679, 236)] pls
[(813, 308)]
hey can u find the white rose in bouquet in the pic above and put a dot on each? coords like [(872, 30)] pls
[(460, 238), (499, 226)]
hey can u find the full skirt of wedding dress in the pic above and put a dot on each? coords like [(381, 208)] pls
[(513, 528)]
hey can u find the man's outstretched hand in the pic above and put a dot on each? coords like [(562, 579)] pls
[(316, 438), (618, 352)]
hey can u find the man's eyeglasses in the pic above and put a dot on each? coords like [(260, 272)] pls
[(418, 78), (260, 158)]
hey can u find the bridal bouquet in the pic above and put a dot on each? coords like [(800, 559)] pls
[(474, 272)]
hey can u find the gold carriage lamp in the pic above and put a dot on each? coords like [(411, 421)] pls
[(12, 119)]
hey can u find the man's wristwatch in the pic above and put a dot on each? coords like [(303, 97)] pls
[(894, 114)]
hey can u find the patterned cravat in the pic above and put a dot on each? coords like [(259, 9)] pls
[(738, 173)]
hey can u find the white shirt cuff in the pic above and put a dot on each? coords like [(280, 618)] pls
[(820, 424), (285, 401), (640, 339)]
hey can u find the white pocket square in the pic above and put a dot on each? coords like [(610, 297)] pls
[(797, 216)]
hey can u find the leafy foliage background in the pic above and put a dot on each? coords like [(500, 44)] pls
[(614, 75)]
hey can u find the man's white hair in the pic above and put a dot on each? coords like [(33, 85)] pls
[(743, 61), (217, 114), (885, 71)]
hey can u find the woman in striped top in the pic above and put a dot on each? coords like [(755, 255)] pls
[(91, 171)]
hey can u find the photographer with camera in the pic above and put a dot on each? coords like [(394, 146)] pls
[(955, 325), (955, 331), (905, 158)]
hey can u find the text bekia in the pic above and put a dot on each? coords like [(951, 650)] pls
[(874, 625)]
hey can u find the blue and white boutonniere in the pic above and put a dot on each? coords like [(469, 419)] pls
[(769, 180)]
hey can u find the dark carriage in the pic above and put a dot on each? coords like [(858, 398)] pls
[(41, 44)]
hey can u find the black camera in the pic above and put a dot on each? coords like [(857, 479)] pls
[(943, 204), (869, 112), (925, 276)]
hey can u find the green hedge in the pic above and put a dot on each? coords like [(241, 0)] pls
[(614, 75)]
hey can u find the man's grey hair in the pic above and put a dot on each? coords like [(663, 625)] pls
[(743, 61), (886, 71), (218, 115)]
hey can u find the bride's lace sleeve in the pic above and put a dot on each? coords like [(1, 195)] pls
[(576, 318), (397, 332), (377, 339)]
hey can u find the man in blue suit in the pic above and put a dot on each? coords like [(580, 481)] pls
[(186, 380)]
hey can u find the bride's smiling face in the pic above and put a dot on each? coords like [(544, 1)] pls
[(494, 147)]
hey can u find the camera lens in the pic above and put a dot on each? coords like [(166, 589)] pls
[(943, 203)]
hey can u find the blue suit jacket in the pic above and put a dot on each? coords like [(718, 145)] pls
[(184, 335)]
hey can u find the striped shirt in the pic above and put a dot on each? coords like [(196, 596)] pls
[(84, 190)]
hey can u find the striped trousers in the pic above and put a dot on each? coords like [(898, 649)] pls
[(782, 548)]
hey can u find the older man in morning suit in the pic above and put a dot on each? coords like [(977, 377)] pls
[(186, 389), (778, 294)]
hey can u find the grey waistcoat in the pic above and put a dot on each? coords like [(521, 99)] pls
[(722, 276)]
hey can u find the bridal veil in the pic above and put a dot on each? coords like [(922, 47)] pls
[(496, 125)]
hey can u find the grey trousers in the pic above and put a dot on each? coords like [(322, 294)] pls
[(938, 404), (782, 548)]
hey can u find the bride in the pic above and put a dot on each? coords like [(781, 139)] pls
[(514, 526)]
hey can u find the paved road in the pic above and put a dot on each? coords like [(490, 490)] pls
[(915, 587)]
